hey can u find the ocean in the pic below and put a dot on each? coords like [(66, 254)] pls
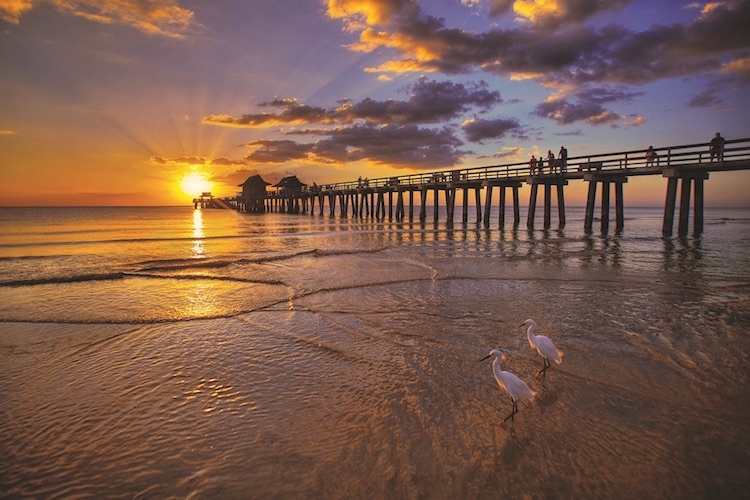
[(166, 352)]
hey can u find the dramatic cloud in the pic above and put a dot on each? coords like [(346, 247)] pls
[(551, 14), (478, 130), (429, 102), (564, 112), (588, 106), (157, 17), (382, 132), (12, 10), (397, 146), (268, 151), (553, 46)]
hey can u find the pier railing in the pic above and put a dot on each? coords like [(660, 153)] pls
[(632, 162), (688, 165)]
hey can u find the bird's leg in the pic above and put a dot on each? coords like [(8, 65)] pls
[(515, 410), (545, 364)]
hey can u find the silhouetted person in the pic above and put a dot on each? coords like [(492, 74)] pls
[(716, 148), (532, 164), (551, 161), (650, 156), (563, 157)]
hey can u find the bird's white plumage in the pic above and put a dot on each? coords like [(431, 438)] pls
[(543, 345), (509, 382)]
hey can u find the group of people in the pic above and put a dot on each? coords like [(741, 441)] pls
[(555, 165)]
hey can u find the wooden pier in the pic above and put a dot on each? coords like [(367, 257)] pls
[(686, 165)]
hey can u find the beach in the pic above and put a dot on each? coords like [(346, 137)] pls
[(169, 352)]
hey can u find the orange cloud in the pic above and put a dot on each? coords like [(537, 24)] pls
[(372, 12), (11, 10), (534, 10), (156, 17)]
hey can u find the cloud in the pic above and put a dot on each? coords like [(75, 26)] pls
[(588, 106), (552, 45), (565, 112), (739, 68), (7, 132), (156, 17), (479, 130), (508, 152), (429, 102), (397, 146), (226, 162), (383, 132), (271, 151), (12, 10), (551, 14), (194, 160)]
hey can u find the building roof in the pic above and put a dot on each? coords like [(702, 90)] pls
[(254, 180), (290, 182)]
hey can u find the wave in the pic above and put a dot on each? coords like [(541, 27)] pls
[(32, 244), (82, 278), (183, 264), (53, 280)]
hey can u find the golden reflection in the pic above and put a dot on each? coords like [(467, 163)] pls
[(203, 301), (198, 247)]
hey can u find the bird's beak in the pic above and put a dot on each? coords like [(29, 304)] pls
[(521, 325), (489, 355)]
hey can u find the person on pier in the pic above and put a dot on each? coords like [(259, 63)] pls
[(532, 165), (563, 157), (551, 161), (716, 148), (650, 156)]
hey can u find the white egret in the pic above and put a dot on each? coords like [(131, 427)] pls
[(543, 346), (509, 382)]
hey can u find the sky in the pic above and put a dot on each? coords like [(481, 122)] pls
[(150, 102)]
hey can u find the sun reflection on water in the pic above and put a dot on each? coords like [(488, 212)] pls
[(198, 247)]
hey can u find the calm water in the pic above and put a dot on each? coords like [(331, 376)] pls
[(167, 352)]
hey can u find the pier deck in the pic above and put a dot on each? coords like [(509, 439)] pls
[(689, 165)]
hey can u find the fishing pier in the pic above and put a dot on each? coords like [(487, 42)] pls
[(685, 168)]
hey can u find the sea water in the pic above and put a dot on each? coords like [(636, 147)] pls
[(171, 352)]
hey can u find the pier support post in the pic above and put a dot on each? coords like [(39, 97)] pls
[(548, 182), (478, 202), (380, 206), (605, 207), (606, 181), (687, 177), (487, 204), (435, 204), (400, 205), (450, 202), (465, 201), (561, 205), (532, 205), (503, 185), (590, 199), (423, 204)]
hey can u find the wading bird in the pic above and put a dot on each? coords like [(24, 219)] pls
[(543, 346), (509, 382)]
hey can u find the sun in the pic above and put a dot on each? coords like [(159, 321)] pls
[(195, 183)]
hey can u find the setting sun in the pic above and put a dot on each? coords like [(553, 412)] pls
[(195, 183)]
